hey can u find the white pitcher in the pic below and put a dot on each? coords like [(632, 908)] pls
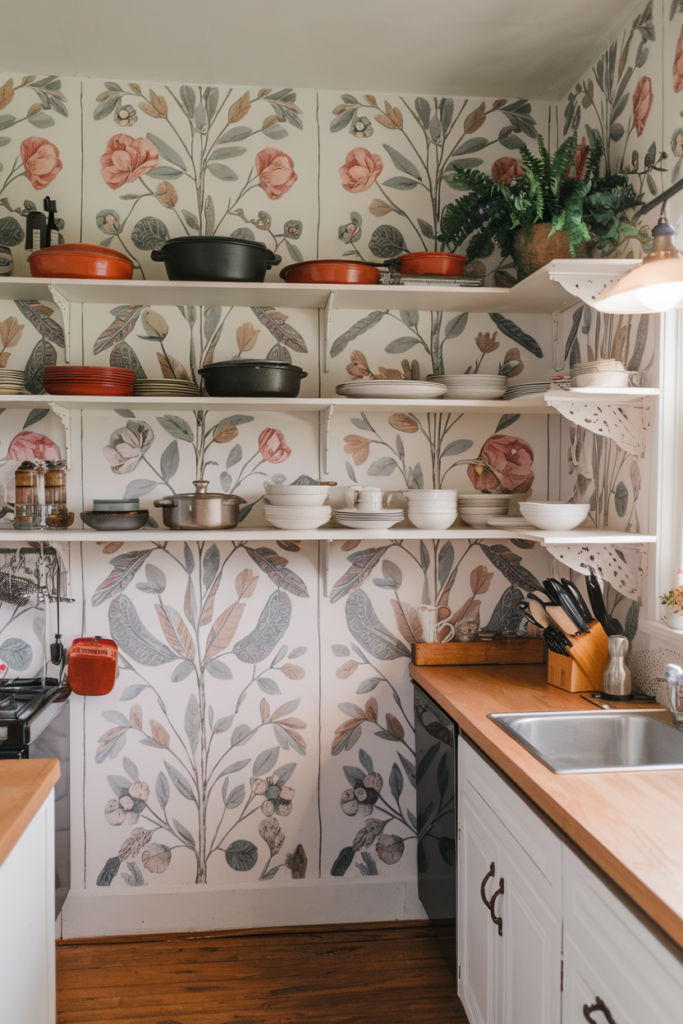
[(428, 614)]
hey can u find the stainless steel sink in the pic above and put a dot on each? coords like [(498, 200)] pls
[(597, 741)]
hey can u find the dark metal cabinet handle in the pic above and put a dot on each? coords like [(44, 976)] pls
[(489, 874), (597, 1005), (499, 892)]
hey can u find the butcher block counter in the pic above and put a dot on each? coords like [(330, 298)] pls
[(27, 890), (628, 823), (24, 787)]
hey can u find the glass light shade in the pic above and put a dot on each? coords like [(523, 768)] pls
[(655, 286), (661, 297)]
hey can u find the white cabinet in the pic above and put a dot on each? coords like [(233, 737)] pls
[(616, 969), (509, 918), (27, 924), (572, 948)]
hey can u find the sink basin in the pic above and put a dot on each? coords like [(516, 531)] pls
[(597, 741)]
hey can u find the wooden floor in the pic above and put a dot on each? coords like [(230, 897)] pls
[(388, 975)]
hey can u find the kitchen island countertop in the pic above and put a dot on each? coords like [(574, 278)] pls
[(630, 824), (24, 786)]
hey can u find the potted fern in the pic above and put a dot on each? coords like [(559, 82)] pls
[(541, 208)]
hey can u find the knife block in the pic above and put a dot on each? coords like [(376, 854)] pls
[(566, 674), (588, 659)]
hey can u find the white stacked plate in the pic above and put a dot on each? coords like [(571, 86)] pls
[(11, 382), (477, 509), (285, 518), (521, 390), (160, 386), (553, 515), (472, 385), (357, 520), (509, 522), (391, 389)]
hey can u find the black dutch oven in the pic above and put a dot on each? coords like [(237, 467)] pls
[(252, 378), (215, 258)]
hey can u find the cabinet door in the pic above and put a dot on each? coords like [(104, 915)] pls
[(478, 941), (532, 943), (613, 958)]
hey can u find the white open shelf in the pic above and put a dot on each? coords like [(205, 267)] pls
[(326, 533), (541, 292), (530, 404)]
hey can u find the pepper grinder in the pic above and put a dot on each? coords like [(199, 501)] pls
[(616, 679)]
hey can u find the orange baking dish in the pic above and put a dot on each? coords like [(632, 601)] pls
[(76, 259)]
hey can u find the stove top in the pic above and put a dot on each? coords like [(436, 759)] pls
[(22, 706)]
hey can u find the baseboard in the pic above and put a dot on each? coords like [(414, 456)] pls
[(238, 933), (299, 904)]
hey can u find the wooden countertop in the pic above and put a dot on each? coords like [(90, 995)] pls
[(629, 823), (24, 785)]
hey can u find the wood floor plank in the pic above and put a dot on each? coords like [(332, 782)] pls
[(387, 975)]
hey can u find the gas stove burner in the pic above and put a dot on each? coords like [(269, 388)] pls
[(8, 702)]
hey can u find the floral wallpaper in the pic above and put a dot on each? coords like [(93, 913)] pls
[(260, 731)]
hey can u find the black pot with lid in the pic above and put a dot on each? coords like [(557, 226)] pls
[(215, 258), (253, 378)]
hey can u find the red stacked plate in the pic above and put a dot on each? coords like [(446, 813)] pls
[(88, 380)]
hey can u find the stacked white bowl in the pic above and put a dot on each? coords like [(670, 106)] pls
[(553, 515), (432, 510), (471, 385), (476, 509), (601, 373), (297, 506)]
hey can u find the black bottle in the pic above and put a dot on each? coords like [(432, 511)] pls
[(51, 232), (35, 231)]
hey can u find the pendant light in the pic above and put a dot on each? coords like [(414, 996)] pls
[(657, 284)]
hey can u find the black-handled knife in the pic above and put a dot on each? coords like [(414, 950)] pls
[(578, 597)]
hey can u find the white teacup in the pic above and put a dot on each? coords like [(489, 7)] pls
[(428, 614)]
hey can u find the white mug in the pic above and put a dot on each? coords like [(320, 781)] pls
[(367, 499), (428, 614)]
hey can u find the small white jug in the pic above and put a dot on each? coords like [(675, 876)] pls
[(428, 614)]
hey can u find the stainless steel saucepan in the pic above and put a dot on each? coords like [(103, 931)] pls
[(200, 510)]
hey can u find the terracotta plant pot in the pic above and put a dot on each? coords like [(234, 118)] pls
[(533, 249)]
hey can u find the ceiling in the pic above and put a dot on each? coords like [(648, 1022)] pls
[(530, 48)]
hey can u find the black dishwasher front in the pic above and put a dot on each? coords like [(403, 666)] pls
[(436, 773)]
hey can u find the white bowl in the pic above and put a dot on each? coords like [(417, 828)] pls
[(422, 493), (432, 520), (483, 496), (310, 523), (559, 508), (553, 520), (476, 520), (435, 503), (297, 495)]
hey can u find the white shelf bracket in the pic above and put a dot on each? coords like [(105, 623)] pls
[(324, 565), (65, 307), (626, 424), (586, 284), (620, 565), (326, 333), (325, 421), (65, 416), (558, 354)]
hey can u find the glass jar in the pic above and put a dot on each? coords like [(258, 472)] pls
[(56, 509), (55, 484), (25, 496)]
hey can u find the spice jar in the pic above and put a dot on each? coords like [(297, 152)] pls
[(56, 511), (55, 484), (26, 496)]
